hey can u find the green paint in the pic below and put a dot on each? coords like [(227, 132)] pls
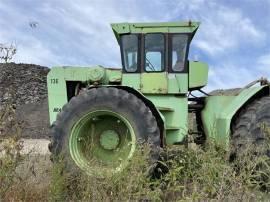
[(198, 75), (219, 111), (96, 74), (58, 76), (102, 142), (153, 83), (132, 80), (165, 27), (57, 94), (174, 110), (211, 113), (166, 91), (109, 139), (177, 83), (113, 75)]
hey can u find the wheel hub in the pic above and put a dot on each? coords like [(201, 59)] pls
[(101, 142), (109, 139)]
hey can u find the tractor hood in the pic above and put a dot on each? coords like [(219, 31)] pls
[(163, 27)]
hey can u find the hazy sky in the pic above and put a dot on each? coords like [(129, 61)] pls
[(233, 37)]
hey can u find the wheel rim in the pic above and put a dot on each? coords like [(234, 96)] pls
[(102, 142)]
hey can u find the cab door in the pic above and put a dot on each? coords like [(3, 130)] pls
[(154, 79)]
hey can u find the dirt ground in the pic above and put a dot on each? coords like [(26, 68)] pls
[(32, 172)]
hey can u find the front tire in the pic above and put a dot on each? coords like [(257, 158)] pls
[(99, 130)]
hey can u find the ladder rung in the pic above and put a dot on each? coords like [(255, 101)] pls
[(172, 128), (165, 109)]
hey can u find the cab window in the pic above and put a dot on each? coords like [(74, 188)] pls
[(130, 52), (179, 48), (154, 52)]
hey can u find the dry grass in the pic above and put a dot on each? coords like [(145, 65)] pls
[(200, 174), (20, 175)]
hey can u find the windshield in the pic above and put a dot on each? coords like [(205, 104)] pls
[(179, 48), (130, 52), (154, 52)]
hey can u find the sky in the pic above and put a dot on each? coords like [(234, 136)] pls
[(233, 37)]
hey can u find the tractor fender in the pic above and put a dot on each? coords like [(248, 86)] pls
[(220, 112), (159, 117)]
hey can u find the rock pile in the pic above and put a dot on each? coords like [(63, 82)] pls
[(23, 100), (22, 83)]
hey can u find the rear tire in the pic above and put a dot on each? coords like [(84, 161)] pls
[(98, 131), (251, 128), (250, 141)]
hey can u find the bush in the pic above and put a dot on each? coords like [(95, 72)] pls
[(7, 52)]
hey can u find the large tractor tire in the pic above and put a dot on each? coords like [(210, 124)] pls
[(99, 130), (251, 130)]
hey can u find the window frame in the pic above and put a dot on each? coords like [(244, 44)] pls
[(139, 37), (143, 52), (170, 53)]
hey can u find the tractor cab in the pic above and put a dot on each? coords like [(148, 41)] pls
[(155, 57)]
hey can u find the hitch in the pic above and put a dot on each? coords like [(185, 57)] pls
[(263, 81)]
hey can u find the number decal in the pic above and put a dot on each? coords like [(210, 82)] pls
[(56, 109), (54, 81)]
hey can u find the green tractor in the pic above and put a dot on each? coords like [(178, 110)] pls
[(101, 116)]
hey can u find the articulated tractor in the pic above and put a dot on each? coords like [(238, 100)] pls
[(100, 116)]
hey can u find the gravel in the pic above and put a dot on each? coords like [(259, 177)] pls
[(23, 100), (22, 83)]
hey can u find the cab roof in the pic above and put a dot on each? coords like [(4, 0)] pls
[(161, 27)]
